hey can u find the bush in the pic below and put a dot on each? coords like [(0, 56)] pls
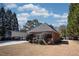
[(29, 37)]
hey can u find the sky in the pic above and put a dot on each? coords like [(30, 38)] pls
[(51, 13)]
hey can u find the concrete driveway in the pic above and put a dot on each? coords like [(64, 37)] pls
[(5, 43)]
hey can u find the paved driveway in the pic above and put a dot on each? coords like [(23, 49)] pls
[(5, 43)]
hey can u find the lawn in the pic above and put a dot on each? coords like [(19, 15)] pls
[(27, 49)]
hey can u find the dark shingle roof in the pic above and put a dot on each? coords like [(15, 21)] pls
[(42, 28)]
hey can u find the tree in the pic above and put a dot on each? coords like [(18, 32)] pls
[(15, 23), (8, 21), (73, 20), (30, 24), (2, 20), (62, 30)]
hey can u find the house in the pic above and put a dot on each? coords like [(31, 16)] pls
[(44, 33)]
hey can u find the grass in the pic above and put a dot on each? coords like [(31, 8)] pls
[(28, 49)]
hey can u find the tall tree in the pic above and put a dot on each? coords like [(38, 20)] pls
[(73, 19), (15, 23), (8, 21), (2, 21)]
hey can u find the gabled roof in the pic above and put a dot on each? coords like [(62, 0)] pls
[(42, 28)]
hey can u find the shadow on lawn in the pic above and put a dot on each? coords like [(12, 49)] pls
[(62, 42)]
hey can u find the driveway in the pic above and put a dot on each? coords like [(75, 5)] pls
[(5, 43)]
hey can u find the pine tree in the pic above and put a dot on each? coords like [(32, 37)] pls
[(2, 21), (8, 21), (15, 23)]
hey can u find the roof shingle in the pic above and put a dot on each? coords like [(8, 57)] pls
[(42, 28)]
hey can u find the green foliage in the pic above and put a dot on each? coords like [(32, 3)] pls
[(8, 21), (62, 30), (30, 24), (73, 19)]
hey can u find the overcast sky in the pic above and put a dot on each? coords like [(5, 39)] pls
[(51, 13)]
